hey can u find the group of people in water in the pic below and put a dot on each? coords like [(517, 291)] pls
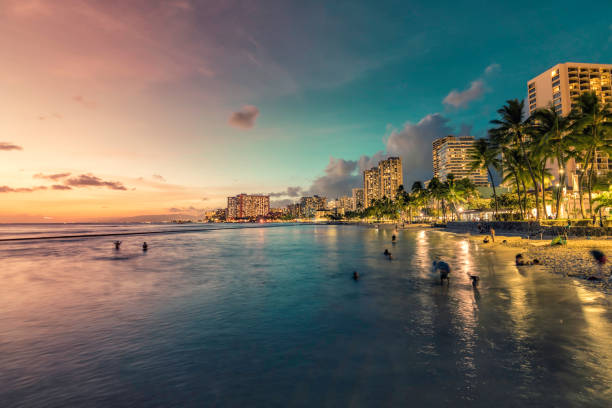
[(117, 244)]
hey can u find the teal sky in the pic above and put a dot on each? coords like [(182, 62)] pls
[(134, 89)]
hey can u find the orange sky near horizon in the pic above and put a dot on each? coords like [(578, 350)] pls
[(92, 90)]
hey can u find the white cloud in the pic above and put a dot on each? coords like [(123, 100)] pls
[(461, 99)]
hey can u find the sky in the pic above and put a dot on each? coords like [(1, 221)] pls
[(117, 109)]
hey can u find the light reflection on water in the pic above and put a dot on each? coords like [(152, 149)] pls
[(271, 317)]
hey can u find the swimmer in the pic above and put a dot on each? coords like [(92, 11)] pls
[(393, 237), (145, 246), (355, 275), (117, 244), (386, 253)]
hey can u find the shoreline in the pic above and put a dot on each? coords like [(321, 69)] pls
[(573, 260)]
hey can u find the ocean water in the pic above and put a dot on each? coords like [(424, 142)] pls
[(269, 316)]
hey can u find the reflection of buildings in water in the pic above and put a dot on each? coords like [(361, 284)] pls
[(599, 330), (422, 257)]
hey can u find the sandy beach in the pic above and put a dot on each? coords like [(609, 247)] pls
[(573, 260)]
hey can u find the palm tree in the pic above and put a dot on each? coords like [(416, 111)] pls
[(436, 192), (591, 128), (552, 129), (486, 156), (512, 129)]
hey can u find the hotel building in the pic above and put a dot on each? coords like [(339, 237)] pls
[(561, 86), (358, 200), (310, 205), (247, 206), (451, 155), (382, 181), (371, 186)]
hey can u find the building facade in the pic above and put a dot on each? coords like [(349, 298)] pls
[(371, 186), (358, 200), (310, 205), (451, 155), (247, 206), (390, 176), (561, 86), (345, 203), (382, 181)]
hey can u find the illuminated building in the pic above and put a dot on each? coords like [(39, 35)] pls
[(358, 200), (390, 176), (561, 86), (451, 155), (371, 186), (310, 205), (247, 206), (382, 181), (345, 203)]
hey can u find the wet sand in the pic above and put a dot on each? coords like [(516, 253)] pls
[(573, 260)]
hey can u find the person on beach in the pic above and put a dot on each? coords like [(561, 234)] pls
[(444, 269), (475, 279), (520, 261), (117, 244), (601, 260), (145, 246), (492, 230)]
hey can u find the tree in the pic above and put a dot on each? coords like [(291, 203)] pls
[(591, 130), (512, 129), (486, 156), (552, 129)]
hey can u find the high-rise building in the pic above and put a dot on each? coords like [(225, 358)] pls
[(382, 181), (371, 186), (390, 176), (561, 86), (358, 200), (451, 155), (345, 202), (247, 206), (310, 205)]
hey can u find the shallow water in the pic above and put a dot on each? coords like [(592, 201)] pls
[(271, 317)]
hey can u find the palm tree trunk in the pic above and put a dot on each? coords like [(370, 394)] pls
[(561, 185), (543, 193), (518, 193), (587, 162), (533, 178), (524, 197), (494, 192), (590, 186)]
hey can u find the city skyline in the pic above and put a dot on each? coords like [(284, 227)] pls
[(169, 107)]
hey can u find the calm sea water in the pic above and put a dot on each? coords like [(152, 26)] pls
[(271, 317)]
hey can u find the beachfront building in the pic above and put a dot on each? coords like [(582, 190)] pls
[(310, 205), (390, 176), (561, 86), (358, 200), (371, 186), (382, 181), (345, 203), (451, 155), (247, 206)]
